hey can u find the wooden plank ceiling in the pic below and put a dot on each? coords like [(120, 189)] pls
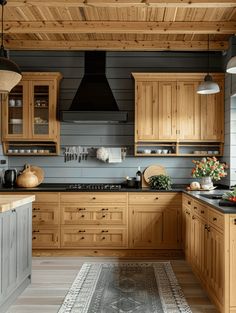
[(148, 25)]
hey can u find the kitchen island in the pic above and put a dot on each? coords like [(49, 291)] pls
[(15, 246)]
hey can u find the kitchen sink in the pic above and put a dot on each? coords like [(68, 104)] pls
[(213, 196)]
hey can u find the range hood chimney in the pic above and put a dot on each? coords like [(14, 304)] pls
[(94, 100)]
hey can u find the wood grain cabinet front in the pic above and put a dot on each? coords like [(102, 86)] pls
[(45, 214), (88, 237), (155, 220), (45, 238)]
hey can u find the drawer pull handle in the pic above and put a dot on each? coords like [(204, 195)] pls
[(94, 198), (189, 202), (82, 231), (82, 215), (82, 238), (214, 218), (103, 238), (34, 215), (104, 231), (82, 209), (206, 226), (202, 212), (235, 221), (104, 209), (103, 216), (36, 209), (193, 217), (195, 208), (34, 238), (35, 231), (156, 198)]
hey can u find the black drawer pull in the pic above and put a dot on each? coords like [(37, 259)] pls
[(35, 231), (193, 217), (36, 209), (189, 202), (104, 231), (82, 238), (81, 209), (103, 216), (103, 238), (202, 212), (34, 215), (195, 208), (34, 238), (206, 226), (235, 221), (82, 231), (104, 209), (94, 198), (82, 215), (214, 218), (156, 198)]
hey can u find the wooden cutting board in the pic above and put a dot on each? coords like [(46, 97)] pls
[(151, 171)]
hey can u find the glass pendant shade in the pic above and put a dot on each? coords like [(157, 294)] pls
[(231, 66), (208, 86)]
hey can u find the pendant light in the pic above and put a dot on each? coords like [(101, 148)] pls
[(208, 86), (10, 73), (231, 66)]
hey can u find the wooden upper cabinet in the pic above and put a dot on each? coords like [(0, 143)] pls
[(146, 111), (167, 107), (167, 113), (29, 112), (189, 111), (212, 117)]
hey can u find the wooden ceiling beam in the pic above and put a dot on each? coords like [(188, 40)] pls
[(125, 3), (74, 27), (120, 45)]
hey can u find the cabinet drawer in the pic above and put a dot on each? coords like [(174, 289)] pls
[(45, 214), (39, 196), (77, 237), (200, 210), (45, 238), (107, 214), (172, 198), (216, 218), (187, 201), (94, 197)]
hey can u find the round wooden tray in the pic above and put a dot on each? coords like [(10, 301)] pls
[(152, 171)]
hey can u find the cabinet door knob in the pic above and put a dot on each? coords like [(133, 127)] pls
[(235, 221), (189, 202), (206, 226), (94, 198), (82, 215), (104, 216), (214, 218), (103, 238), (34, 238), (195, 208), (34, 215), (156, 198), (202, 212), (193, 217), (82, 238)]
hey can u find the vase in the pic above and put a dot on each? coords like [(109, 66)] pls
[(206, 182)]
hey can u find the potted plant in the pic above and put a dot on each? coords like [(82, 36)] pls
[(160, 182), (209, 169)]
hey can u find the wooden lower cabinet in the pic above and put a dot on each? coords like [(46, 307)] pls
[(205, 248), (45, 238), (231, 273), (157, 224), (87, 237)]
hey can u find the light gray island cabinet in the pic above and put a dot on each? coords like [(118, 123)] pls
[(15, 251)]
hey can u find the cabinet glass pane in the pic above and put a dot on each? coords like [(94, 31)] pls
[(15, 109), (41, 110)]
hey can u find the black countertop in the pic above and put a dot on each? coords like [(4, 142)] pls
[(199, 195)]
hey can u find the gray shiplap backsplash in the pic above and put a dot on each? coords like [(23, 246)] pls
[(120, 65)]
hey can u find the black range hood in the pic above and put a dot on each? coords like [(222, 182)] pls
[(94, 100)]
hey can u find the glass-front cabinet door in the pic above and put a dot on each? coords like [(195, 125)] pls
[(15, 113), (43, 109)]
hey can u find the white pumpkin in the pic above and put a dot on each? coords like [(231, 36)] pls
[(195, 185)]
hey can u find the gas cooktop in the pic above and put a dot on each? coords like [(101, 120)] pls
[(74, 187)]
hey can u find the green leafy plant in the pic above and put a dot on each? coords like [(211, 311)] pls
[(209, 167), (160, 182)]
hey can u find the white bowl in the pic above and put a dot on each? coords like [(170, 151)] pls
[(16, 121), (164, 151), (147, 151), (159, 151), (22, 151)]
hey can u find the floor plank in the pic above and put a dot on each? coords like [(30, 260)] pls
[(52, 277)]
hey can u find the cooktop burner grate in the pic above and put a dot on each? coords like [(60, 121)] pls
[(94, 187)]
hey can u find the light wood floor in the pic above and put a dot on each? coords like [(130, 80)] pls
[(52, 277)]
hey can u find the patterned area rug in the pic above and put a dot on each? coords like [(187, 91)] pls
[(125, 288)]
